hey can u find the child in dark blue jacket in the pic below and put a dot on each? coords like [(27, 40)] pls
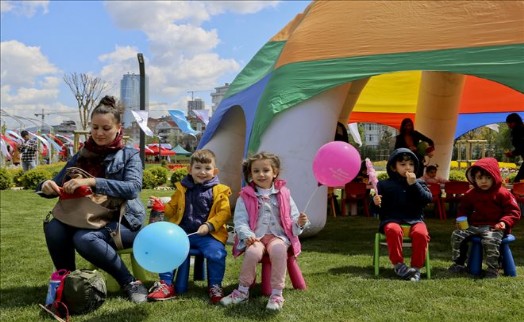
[(401, 200)]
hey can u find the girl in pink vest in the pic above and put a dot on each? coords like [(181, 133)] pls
[(266, 221)]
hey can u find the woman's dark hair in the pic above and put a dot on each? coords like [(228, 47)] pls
[(514, 118), (108, 104), (403, 125)]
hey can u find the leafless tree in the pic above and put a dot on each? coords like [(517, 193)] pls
[(87, 91)]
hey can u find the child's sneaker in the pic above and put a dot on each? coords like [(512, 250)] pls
[(457, 269), (236, 297), (216, 293), (416, 276), (403, 271), (275, 302), (136, 292), (160, 291)]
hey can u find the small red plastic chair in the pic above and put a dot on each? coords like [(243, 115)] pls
[(437, 200), (454, 191), (293, 270), (518, 192), (353, 192)]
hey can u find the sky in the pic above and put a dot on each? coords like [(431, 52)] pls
[(187, 46)]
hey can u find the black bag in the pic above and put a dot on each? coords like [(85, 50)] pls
[(80, 292)]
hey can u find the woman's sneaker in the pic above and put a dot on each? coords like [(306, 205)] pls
[(161, 292), (275, 302), (236, 297), (136, 292), (403, 271)]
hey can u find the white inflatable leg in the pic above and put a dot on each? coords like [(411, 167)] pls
[(437, 113), (295, 135)]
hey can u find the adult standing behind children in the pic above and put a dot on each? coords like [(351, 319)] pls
[(117, 172), (491, 211), (200, 204), (410, 138), (266, 220), (401, 200), (28, 149), (514, 122)]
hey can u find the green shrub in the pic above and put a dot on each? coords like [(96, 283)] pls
[(5, 179), (457, 175), (16, 174), (178, 175), (148, 179), (160, 174), (382, 176), (31, 178)]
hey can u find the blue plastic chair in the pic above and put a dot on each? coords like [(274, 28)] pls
[(506, 257), (182, 273)]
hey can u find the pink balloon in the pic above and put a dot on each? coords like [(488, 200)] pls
[(336, 163)]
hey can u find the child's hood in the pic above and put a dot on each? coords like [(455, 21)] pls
[(489, 165), (394, 156)]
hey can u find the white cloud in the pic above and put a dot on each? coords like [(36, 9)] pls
[(25, 8), (181, 51)]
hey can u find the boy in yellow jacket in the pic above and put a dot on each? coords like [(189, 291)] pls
[(200, 205)]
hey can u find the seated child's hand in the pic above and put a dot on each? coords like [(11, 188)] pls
[(302, 220), (500, 226), (203, 230), (250, 241), (377, 199)]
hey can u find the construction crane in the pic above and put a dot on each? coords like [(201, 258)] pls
[(193, 93)]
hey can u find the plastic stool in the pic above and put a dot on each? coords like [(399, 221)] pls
[(138, 272), (380, 239), (506, 257), (295, 274), (182, 273)]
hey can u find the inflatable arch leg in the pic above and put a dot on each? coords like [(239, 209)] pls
[(228, 145), (437, 113), (295, 135)]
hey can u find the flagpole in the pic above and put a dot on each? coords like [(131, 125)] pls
[(141, 67)]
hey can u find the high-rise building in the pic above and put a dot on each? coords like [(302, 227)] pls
[(130, 96), (218, 95), (196, 104)]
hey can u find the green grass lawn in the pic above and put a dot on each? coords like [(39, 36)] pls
[(336, 263)]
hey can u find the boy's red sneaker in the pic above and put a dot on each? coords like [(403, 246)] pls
[(161, 292), (216, 293)]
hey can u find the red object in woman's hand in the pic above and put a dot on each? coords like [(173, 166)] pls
[(80, 192)]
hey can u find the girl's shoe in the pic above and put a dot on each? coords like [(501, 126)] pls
[(275, 302), (236, 297)]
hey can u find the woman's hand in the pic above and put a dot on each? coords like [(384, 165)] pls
[(50, 188), (71, 185)]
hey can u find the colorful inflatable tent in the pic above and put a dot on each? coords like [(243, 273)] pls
[(452, 66)]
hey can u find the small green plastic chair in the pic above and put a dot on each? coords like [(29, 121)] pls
[(380, 239)]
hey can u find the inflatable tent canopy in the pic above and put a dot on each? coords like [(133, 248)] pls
[(450, 65)]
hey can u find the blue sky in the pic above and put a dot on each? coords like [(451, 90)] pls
[(187, 45)]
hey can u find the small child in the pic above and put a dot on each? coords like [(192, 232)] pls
[(402, 199), (266, 220), (431, 175), (199, 205), (491, 211)]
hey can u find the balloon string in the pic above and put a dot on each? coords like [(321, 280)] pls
[(311, 198), (192, 233)]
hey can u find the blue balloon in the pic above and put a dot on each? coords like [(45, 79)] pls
[(161, 247)]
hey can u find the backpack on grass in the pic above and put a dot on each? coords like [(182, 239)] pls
[(80, 292)]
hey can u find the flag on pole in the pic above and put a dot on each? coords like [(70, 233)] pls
[(203, 115), (141, 119), (180, 119)]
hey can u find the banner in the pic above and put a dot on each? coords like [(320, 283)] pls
[(180, 119), (202, 115), (141, 119)]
